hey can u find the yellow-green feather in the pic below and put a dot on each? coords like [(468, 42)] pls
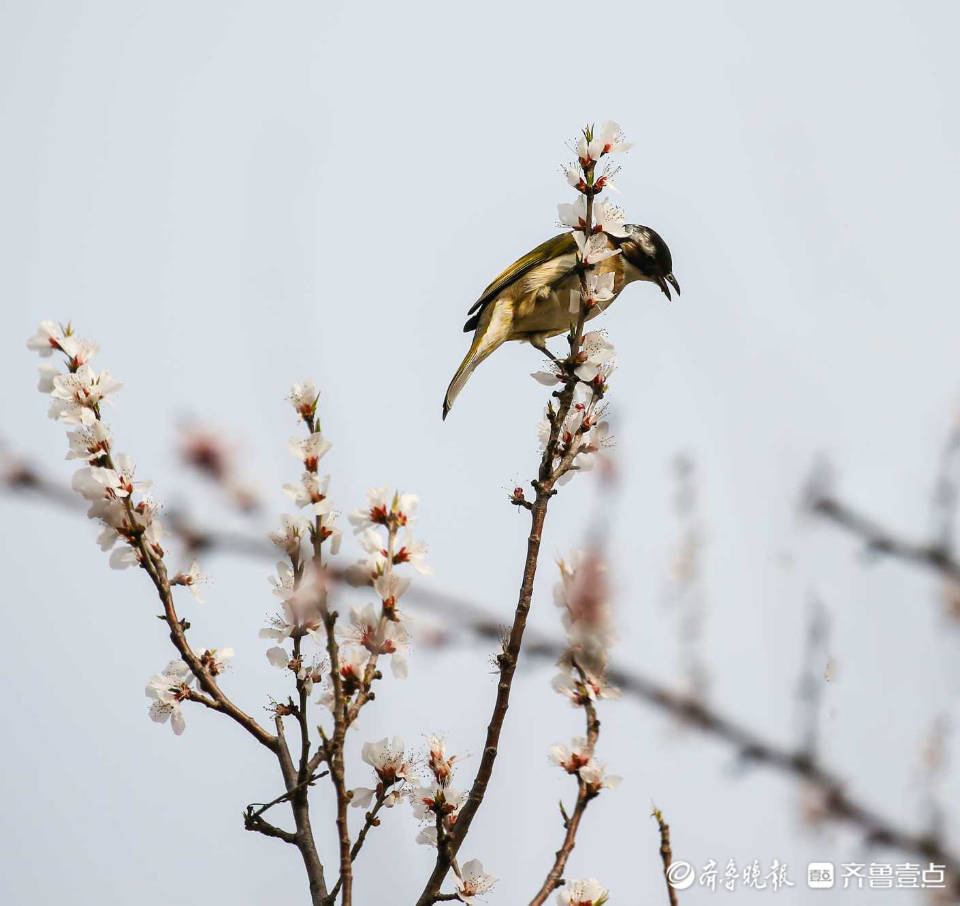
[(563, 244)]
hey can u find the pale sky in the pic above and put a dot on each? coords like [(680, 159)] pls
[(231, 196)]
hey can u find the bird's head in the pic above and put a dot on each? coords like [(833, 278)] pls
[(648, 254)]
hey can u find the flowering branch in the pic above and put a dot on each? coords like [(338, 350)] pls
[(752, 748), (566, 435)]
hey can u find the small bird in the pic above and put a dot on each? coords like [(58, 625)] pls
[(530, 300)]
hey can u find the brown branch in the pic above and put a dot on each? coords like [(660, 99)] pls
[(882, 541), (301, 815), (750, 746), (571, 823), (666, 853), (262, 826)]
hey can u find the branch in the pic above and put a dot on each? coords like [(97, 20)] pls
[(571, 823), (666, 853), (880, 540), (749, 745)]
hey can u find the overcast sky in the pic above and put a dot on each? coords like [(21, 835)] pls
[(231, 196)]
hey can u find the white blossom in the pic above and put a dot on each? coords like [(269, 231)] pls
[(439, 763), (608, 138), (290, 537), (168, 690), (310, 491), (89, 441), (428, 801), (473, 881), (75, 395), (215, 660), (390, 587), (370, 630), (387, 758), (277, 655), (310, 450), (598, 355), (48, 373), (414, 553), (595, 249), (583, 893), (192, 579), (303, 397), (328, 529), (580, 691), (574, 758), (608, 218), (382, 508), (48, 338), (595, 776)]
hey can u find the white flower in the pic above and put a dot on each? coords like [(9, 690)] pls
[(428, 801), (328, 529), (574, 215), (303, 397), (74, 396), (608, 218), (384, 509), (387, 759), (215, 659), (608, 138), (277, 656), (192, 579), (48, 337), (89, 441), (599, 289), (583, 893), (547, 378), (580, 692), (310, 450), (168, 690), (583, 594), (441, 766), (370, 630), (414, 553), (284, 582), (473, 881), (574, 758), (293, 530), (574, 176), (124, 557), (310, 491), (595, 249), (78, 351), (595, 776), (48, 373), (427, 836), (353, 664), (390, 588), (598, 355)]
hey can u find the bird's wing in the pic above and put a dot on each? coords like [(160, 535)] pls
[(546, 251)]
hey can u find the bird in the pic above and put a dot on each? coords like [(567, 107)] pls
[(530, 300)]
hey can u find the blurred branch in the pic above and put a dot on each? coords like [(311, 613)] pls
[(880, 540), (18, 478)]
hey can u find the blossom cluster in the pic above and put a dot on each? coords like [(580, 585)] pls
[(439, 803), (129, 529), (596, 224), (581, 594), (383, 528)]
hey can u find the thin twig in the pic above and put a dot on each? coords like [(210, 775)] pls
[(666, 853)]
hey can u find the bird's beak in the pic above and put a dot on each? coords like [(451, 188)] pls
[(663, 287), (673, 280)]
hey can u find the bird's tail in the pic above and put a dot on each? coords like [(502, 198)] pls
[(479, 350)]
